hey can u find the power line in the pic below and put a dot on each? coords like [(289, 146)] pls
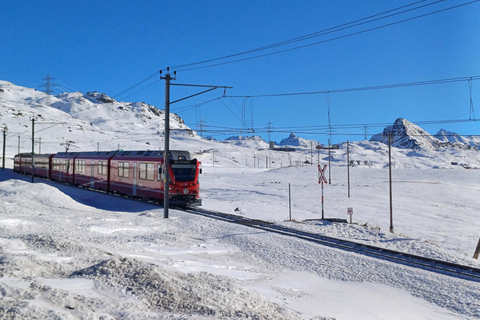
[(379, 87), (302, 38), (369, 19), (136, 85), (318, 42)]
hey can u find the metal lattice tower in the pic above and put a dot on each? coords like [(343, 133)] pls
[(48, 85)]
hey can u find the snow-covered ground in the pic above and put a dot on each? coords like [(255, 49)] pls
[(70, 253), (74, 253)]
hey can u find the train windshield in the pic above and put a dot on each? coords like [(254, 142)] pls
[(184, 172)]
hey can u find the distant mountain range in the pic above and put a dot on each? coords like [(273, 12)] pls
[(99, 119), (406, 135)]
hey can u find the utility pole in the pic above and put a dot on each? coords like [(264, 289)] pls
[(166, 154), (472, 111), (329, 165), (389, 133), (348, 168), (311, 152), (4, 144), (201, 127), (390, 177), (33, 150), (269, 130)]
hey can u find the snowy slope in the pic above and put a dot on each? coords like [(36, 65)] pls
[(453, 137), (90, 121), (70, 253)]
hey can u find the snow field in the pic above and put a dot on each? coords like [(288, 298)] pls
[(78, 254)]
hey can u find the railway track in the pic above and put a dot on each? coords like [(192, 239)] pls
[(433, 265)]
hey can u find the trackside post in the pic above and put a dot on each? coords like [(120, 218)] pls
[(477, 251), (289, 202), (322, 179), (350, 213)]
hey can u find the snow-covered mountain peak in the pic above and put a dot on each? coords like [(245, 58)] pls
[(100, 97), (251, 141), (92, 118), (295, 141), (406, 135)]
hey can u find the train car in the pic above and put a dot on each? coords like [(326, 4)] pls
[(142, 174), (42, 164), (139, 174), (91, 169), (22, 163), (63, 167)]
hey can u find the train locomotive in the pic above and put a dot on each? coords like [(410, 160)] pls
[(139, 174)]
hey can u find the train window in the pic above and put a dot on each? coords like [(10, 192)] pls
[(159, 172), (102, 168), (142, 175), (120, 169), (127, 169), (184, 172), (147, 171), (124, 169), (151, 171), (66, 166), (80, 166)]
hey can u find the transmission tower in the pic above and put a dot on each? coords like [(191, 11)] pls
[(48, 85), (269, 130), (201, 122)]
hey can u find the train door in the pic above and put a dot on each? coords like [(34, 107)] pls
[(92, 174), (134, 191)]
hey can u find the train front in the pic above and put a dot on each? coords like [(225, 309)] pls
[(184, 186)]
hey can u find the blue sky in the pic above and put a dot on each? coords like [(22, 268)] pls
[(109, 46)]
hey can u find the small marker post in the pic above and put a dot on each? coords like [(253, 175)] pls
[(350, 213)]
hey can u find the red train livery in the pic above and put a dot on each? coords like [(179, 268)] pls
[(134, 173)]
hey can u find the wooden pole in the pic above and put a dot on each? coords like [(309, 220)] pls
[(477, 251)]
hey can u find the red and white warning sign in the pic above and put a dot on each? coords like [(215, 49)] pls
[(321, 174)]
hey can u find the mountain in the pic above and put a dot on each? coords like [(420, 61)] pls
[(77, 119), (101, 110), (95, 121), (448, 136), (406, 135), (252, 141), (295, 141)]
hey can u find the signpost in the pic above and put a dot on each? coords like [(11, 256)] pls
[(322, 180), (350, 213)]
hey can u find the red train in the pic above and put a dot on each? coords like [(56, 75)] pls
[(134, 173)]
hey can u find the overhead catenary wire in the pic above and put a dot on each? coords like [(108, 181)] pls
[(333, 128), (355, 23), (377, 87), (314, 34), (327, 40)]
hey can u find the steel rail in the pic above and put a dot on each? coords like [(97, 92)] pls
[(412, 260)]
